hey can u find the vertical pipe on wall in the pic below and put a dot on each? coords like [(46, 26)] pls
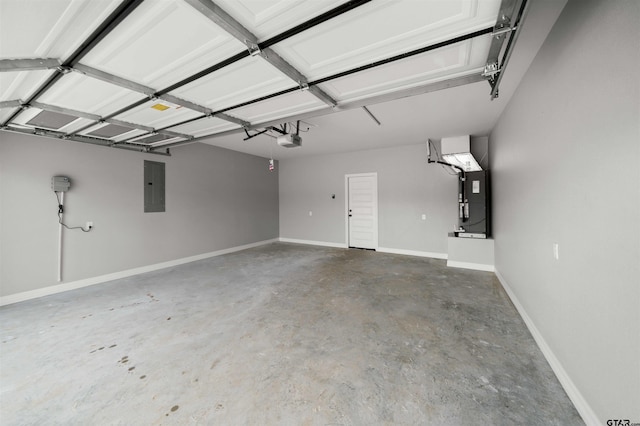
[(60, 237)]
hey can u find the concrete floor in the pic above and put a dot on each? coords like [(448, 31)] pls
[(280, 334)]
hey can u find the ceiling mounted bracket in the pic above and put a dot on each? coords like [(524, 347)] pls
[(14, 103), (490, 70), (304, 85), (253, 48), (373, 117), (499, 31), (506, 29), (28, 64), (226, 117), (64, 69)]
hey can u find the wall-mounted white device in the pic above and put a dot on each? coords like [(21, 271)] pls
[(457, 151), (60, 183)]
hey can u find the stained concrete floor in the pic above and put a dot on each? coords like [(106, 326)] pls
[(281, 334)]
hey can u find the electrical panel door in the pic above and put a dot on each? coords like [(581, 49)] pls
[(153, 186)]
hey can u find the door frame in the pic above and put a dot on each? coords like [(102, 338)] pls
[(346, 204)]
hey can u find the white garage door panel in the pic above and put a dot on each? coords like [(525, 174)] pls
[(296, 102), (160, 43), (383, 29), (267, 18), (148, 116), (247, 79), (21, 84), (463, 58), (5, 113), (205, 127), (49, 29), (82, 93)]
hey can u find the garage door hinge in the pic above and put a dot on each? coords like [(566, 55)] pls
[(491, 69), (253, 48)]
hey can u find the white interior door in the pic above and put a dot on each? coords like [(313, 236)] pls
[(362, 210)]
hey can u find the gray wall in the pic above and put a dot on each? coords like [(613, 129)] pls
[(407, 188), (565, 170), (215, 199)]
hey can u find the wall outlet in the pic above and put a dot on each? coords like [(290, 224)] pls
[(556, 251), (89, 225), (310, 213), (424, 216)]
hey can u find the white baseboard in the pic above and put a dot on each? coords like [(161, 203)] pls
[(49, 290), (313, 243), (583, 407), (413, 253), (468, 265)]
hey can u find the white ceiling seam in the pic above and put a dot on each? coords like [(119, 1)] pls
[(193, 117)]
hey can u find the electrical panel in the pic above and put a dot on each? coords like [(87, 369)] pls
[(60, 183), (154, 190)]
